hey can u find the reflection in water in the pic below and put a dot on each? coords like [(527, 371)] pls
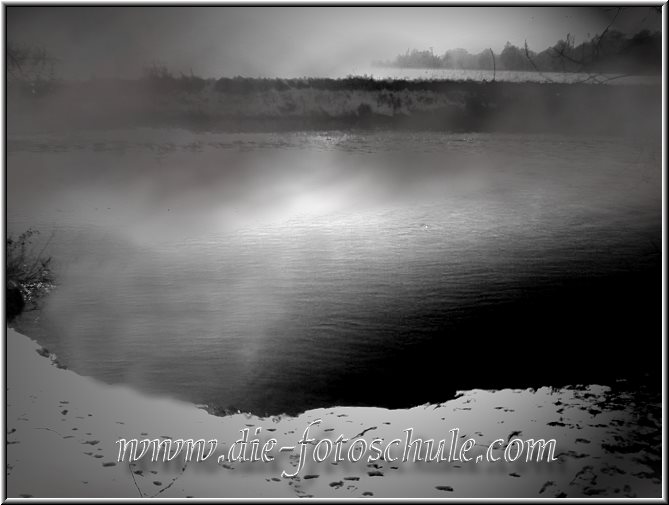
[(280, 272)]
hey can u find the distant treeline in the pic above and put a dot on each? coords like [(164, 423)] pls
[(610, 52)]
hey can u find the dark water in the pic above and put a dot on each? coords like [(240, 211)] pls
[(276, 273)]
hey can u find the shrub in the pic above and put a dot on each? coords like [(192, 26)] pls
[(29, 276)]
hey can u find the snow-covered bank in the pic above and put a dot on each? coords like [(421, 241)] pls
[(62, 431)]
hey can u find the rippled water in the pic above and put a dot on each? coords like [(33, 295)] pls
[(277, 272)]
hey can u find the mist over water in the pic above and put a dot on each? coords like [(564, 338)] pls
[(280, 272)]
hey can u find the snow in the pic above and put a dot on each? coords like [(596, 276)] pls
[(62, 430)]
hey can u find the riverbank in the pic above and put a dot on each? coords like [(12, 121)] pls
[(62, 431), (261, 105)]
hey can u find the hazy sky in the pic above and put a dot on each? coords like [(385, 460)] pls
[(286, 41)]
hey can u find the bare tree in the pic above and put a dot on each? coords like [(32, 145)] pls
[(31, 66)]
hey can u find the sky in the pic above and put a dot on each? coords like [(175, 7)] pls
[(216, 41)]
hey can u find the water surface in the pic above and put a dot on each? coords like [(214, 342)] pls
[(279, 272)]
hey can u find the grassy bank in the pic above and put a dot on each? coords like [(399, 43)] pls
[(240, 104)]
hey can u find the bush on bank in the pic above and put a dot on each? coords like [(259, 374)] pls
[(29, 276)]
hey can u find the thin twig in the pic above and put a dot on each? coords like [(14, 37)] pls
[(494, 65), (141, 494), (173, 481), (49, 429), (584, 65), (601, 36), (527, 55)]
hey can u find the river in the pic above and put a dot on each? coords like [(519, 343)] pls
[(279, 272)]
